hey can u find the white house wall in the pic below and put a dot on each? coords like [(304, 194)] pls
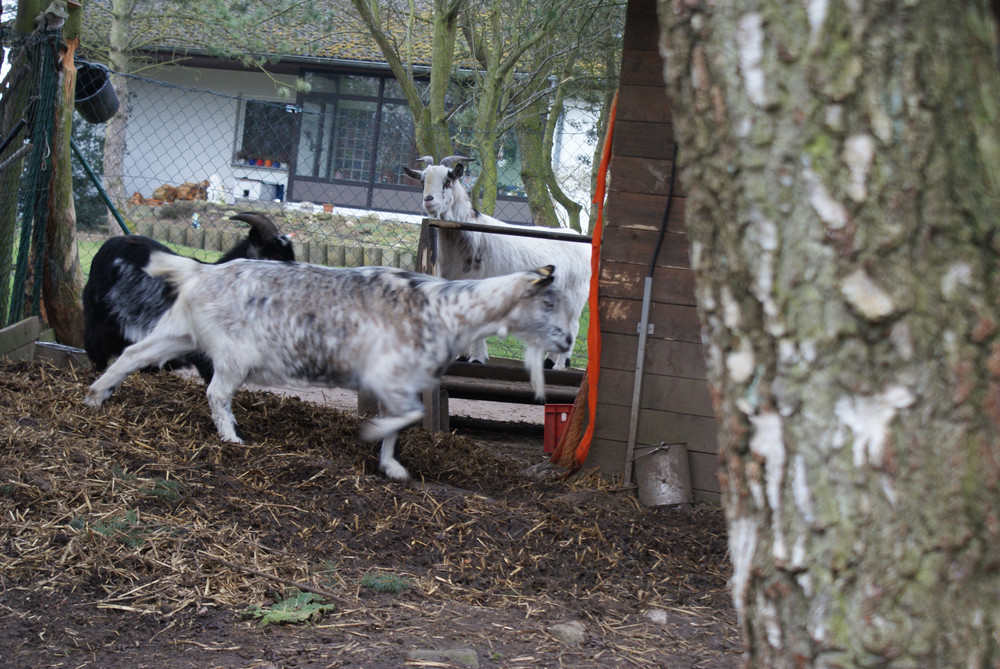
[(189, 134), (177, 135)]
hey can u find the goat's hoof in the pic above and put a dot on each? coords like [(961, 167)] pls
[(231, 437), (395, 471), (549, 363), (94, 400)]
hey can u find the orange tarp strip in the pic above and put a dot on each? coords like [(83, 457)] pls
[(594, 328)]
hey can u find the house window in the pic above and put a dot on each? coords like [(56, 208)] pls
[(395, 146), (353, 139), (268, 133), (351, 130)]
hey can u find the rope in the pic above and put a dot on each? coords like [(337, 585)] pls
[(594, 327)]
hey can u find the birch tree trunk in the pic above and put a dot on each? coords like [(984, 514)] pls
[(842, 168)]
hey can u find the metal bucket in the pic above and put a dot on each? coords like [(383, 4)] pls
[(96, 99), (663, 475)]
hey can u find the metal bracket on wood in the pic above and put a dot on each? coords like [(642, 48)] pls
[(649, 328)]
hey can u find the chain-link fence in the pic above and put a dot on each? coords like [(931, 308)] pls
[(179, 160), (27, 117)]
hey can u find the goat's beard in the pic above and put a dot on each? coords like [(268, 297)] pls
[(534, 362), (435, 211)]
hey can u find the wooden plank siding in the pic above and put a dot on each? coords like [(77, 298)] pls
[(675, 404)]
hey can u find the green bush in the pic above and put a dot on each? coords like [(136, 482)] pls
[(90, 208)]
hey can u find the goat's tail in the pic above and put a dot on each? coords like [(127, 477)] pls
[(175, 270)]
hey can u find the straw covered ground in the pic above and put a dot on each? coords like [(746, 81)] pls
[(133, 537)]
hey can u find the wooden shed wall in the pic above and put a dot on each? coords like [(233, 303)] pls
[(675, 404)]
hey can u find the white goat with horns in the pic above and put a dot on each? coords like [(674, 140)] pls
[(464, 254), (386, 331)]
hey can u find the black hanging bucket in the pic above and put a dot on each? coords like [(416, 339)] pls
[(96, 99)]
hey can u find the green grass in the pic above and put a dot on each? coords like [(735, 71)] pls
[(88, 250), (511, 347), (124, 528), (166, 489), (385, 582)]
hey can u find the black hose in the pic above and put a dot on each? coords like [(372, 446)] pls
[(666, 213), (15, 131)]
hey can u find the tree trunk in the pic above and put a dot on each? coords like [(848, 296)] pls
[(113, 166), (430, 120), (12, 111), (432, 123), (602, 128), (555, 190), (842, 170), (552, 118), (62, 279), (484, 191), (535, 162), (18, 84)]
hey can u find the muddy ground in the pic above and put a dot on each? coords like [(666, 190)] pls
[(132, 537)]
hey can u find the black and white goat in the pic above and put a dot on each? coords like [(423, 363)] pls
[(385, 331), (121, 303), (464, 254)]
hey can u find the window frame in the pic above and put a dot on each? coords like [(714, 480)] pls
[(268, 159), (327, 100)]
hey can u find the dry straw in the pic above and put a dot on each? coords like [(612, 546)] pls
[(140, 508)]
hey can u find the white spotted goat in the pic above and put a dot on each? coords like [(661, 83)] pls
[(465, 254), (386, 331)]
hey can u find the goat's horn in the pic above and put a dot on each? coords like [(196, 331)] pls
[(264, 226), (427, 160), (451, 160)]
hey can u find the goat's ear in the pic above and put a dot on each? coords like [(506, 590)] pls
[(412, 173), (547, 275), (457, 171), (256, 239)]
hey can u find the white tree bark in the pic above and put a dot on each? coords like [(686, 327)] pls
[(841, 165)]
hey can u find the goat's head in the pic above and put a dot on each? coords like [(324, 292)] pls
[(265, 242), (534, 320), (439, 182)]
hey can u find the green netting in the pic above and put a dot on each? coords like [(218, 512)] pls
[(30, 88)]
